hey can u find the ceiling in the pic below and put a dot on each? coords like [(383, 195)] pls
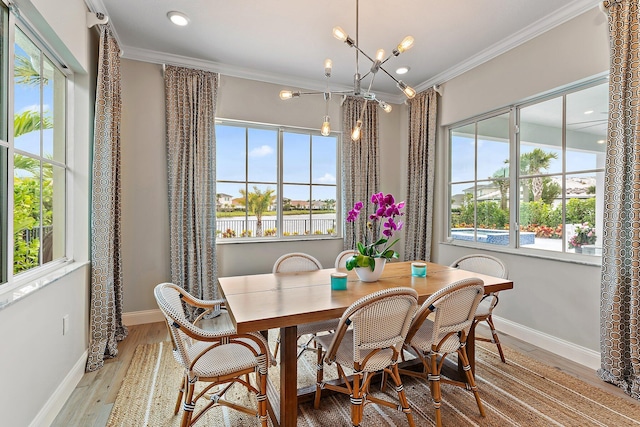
[(286, 41)]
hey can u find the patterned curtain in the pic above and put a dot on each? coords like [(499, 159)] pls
[(423, 111), (190, 113), (360, 165), (620, 289), (106, 326)]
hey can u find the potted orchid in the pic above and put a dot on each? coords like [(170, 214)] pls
[(381, 223)]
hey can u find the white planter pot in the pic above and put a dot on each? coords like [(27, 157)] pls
[(366, 275)]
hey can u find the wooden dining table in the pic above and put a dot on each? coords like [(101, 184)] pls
[(284, 300)]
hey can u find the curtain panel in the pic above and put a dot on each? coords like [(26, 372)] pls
[(620, 279), (360, 165), (105, 317), (190, 116), (423, 111)]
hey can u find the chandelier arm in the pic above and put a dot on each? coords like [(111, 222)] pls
[(387, 73), (362, 52)]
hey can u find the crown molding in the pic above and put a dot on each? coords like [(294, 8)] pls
[(562, 15), (155, 57)]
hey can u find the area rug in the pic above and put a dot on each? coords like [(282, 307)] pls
[(522, 392)]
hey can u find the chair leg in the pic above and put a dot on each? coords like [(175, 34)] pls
[(356, 401), (434, 381), (462, 354), (404, 403), (275, 350), (189, 405), (319, 378), (262, 396), (496, 340), (180, 395)]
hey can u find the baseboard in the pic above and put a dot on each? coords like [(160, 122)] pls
[(52, 407), (142, 317), (566, 349)]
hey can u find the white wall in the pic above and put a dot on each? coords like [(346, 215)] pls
[(557, 298), (40, 366)]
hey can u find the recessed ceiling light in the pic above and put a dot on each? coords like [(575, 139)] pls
[(178, 18), (588, 112), (403, 70), (600, 141)]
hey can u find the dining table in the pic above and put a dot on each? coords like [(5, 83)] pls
[(261, 302)]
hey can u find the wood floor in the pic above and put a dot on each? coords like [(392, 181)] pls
[(93, 398)]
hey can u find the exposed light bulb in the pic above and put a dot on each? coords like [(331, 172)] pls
[(340, 34), (405, 44), (408, 90), (286, 94), (355, 135), (380, 55), (386, 107), (326, 127), (328, 65)]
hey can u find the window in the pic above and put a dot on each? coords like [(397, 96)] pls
[(553, 151), (275, 182), (33, 144)]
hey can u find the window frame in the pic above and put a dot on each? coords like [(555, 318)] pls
[(280, 131), (514, 109), (9, 280)]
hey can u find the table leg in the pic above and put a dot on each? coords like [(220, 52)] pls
[(289, 376)]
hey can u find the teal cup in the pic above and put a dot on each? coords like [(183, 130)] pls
[(418, 269), (338, 281)]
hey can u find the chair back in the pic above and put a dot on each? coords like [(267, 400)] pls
[(341, 259), (483, 264), (169, 299), (454, 307), (379, 320), (296, 261)]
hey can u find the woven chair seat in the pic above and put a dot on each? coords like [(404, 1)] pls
[(484, 308), (344, 355), (222, 360), (315, 327)]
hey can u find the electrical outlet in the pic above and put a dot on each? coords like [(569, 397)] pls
[(65, 324)]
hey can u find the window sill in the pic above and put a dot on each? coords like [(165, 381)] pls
[(594, 261), (27, 286)]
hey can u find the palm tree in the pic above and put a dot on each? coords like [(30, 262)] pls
[(24, 123), (502, 182), (532, 164), (257, 202), (26, 74)]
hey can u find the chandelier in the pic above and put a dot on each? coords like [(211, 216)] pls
[(377, 63)]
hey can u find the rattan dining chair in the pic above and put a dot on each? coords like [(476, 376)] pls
[(432, 339), (218, 358), (341, 259), (299, 261), (369, 339), (491, 266)]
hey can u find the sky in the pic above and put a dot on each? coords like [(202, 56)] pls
[(298, 150), (492, 154), (29, 98)]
